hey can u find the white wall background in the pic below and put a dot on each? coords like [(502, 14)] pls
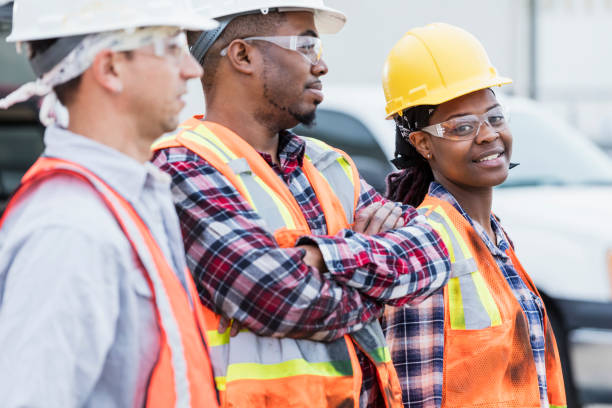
[(358, 52)]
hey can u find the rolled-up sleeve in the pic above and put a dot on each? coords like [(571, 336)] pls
[(402, 266), (242, 273)]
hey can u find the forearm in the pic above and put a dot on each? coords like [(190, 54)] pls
[(273, 292), (399, 266), (243, 274)]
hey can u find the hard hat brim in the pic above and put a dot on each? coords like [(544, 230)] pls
[(448, 94), (186, 22)]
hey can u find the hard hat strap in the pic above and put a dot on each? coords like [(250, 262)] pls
[(45, 61), (76, 62), (208, 38)]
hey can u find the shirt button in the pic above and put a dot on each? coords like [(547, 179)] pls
[(337, 265)]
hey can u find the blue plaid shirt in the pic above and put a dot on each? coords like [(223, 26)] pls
[(416, 334)]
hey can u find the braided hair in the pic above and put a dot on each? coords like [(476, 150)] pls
[(410, 184)]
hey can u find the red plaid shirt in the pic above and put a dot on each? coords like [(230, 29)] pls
[(241, 272)]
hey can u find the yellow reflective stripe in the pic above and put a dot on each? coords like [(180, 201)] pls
[(441, 230), (466, 252), (381, 354), (206, 143), (217, 339), (455, 302), (347, 168), (486, 299), (162, 139), (220, 381), (220, 151), (288, 220), (291, 368), (557, 406), (206, 133)]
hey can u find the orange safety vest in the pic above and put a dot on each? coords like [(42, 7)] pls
[(255, 371), (488, 359), (182, 376)]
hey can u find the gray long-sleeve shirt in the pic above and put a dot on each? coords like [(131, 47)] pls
[(77, 321)]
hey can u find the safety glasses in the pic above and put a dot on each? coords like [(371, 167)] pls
[(467, 127), (311, 48), (173, 47)]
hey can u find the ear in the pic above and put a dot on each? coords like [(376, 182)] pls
[(421, 142), (106, 69), (241, 56)]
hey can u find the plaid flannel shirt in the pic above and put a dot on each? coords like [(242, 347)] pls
[(416, 334), (241, 273)]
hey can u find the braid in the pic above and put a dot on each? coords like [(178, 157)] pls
[(411, 183)]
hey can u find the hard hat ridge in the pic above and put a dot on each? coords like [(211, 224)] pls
[(327, 20)]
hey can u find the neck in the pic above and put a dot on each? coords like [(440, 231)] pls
[(476, 202), (123, 135), (244, 123)]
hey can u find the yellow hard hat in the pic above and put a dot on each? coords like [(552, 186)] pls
[(434, 64)]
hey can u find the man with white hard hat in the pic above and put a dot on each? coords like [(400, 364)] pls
[(97, 308), (266, 214)]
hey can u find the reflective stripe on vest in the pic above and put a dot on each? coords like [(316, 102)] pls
[(251, 370), (488, 360), (471, 305), (181, 377), (337, 171)]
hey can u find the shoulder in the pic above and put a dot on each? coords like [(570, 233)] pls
[(69, 204)]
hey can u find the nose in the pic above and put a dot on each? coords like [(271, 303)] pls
[(319, 69), (190, 68), (486, 133)]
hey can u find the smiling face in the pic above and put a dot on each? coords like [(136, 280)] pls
[(291, 85), (473, 164)]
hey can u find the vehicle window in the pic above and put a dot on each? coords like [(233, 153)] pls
[(347, 133), (551, 152), (21, 140)]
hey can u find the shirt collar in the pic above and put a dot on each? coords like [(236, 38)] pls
[(291, 148), (124, 174), (499, 247)]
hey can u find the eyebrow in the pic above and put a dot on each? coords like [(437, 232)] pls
[(456, 115)]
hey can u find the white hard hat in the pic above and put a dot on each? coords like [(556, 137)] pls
[(327, 19), (36, 19)]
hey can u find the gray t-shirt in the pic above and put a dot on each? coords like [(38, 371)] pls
[(77, 321)]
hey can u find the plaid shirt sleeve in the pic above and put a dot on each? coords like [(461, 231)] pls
[(397, 267), (240, 271)]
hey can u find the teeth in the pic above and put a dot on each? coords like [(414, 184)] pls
[(490, 157)]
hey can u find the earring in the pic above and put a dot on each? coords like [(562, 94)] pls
[(429, 155)]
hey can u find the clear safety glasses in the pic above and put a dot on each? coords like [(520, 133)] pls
[(311, 48), (173, 47), (467, 127)]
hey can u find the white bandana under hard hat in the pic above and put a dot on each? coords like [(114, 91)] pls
[(77, 62)]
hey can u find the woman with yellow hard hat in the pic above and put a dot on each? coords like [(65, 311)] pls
[(485, 340)]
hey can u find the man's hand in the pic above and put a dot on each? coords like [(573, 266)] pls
[(378, 218), (225, 322), (313, 257)]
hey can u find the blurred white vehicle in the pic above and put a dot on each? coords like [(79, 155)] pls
[(556, 206)]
